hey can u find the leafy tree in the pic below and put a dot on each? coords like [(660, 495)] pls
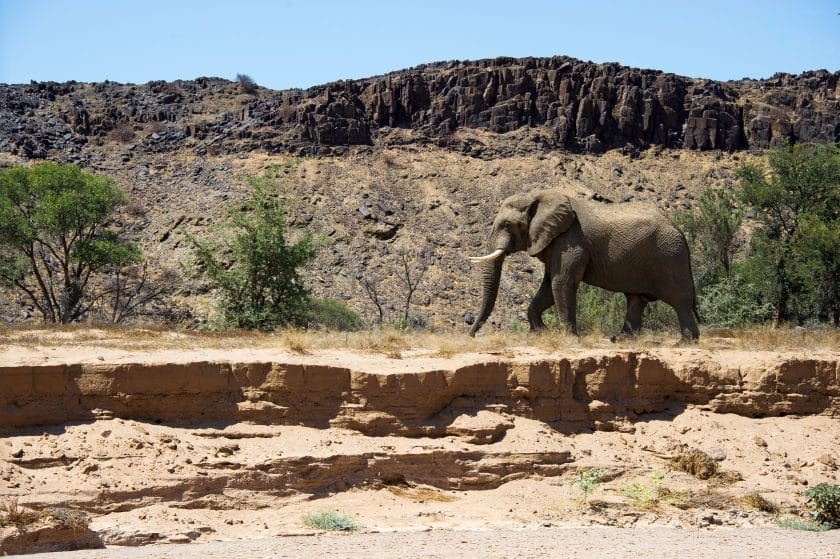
[(796, 199), (55, 239), (255, 267), (712, 230)]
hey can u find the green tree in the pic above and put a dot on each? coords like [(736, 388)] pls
[(796, 200), (711, 230), (55, 239), (254, 266)]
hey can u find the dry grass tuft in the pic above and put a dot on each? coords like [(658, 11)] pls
[(756, 501), (695, 462), (295, 341), (12, 514)]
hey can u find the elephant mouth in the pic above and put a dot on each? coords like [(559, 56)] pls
[(489, 257)]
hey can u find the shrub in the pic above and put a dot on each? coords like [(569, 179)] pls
[(254, 267), (645, 495), (333, 315), (732, 302), (246, 84), (330, 521), (122, 132), (824, 499), (588, 479)]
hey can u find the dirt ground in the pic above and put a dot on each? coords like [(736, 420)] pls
[(480, 454), (637, 543)]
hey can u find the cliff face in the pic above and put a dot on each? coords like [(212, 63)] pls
[(579, 106)]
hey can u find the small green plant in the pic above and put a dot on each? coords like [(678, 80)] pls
[(824, 500), (796, 523), (588, 479), (645, 495), (330, 521)]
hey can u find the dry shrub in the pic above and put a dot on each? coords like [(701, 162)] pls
[(12, 514), (694, 462), (247, 84), (122, 132), (756, 501)]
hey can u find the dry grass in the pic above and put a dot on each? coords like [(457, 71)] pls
[(396, 344), (420, 494), (695, 462), (756, 501), (12, 514)]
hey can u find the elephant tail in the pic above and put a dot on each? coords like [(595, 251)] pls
[(694, 310)]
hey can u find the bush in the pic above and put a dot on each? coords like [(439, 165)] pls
[(254, 267), (246, 84), (330, 521), (122, 132), (732, 302), (333, 315), (824, 499)]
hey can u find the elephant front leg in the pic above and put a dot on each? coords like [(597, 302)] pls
[(565, 301), (540, 303)]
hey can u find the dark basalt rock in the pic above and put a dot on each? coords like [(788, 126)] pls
[(575, 105)]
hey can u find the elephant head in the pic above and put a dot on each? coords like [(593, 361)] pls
[(528, 222)]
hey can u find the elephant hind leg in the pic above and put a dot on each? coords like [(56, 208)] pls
[(540, 303), (689, 331), (633, 319)]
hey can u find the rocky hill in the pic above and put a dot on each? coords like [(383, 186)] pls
[(416, 159)]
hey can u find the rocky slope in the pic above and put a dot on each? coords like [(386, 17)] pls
[(417, 159)]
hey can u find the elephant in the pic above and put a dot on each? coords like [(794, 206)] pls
[(630, 248)]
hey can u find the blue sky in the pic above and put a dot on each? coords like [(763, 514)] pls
[(295, 43)]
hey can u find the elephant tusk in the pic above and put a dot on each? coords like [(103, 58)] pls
[(492, 256)]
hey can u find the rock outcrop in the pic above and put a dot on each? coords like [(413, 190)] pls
[(575, 105), (593, 388)]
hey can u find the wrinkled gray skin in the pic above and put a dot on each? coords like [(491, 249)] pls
[(629, 248)]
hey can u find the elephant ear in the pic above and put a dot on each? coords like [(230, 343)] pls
[(551, 214)]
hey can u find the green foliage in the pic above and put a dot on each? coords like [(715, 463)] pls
[(54, 240), (602, 312), (588, 479), (330, 521), (644, 495), (333, 315), (794, 523), (824, 499), (796, 201), (711, 229), (255, 267), (599, 311), (732, 301)]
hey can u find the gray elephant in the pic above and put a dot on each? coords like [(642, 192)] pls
[(629, 248)]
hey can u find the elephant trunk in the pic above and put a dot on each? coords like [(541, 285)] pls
[(490, 278)]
